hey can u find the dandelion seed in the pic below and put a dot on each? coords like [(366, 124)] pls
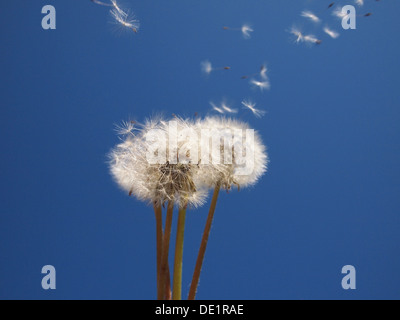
[(207, 68), (331, 33), (311, 16), (120, 11), (126, 128), (223, 108), (368, 14), (260, 84), (215, 108), (263, 72), (246, 29), (340, 14), (297, 33), (312, 39), (331, 5), (228, 109), (126, 20), (101, 3), (251, 105), (359, 2)]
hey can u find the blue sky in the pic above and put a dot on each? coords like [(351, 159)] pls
[(330, 197)]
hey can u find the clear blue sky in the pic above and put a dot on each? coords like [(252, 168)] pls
[(331, 196)]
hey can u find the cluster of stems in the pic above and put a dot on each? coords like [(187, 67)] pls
[(164, 291)]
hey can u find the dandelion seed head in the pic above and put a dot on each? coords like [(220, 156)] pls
[(227, 173), (162, 181)]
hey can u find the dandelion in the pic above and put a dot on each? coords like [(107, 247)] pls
[(125, 19), (331, 33), (260, 84), (244, 29), (225, 175), (160, 162), (226, 172), (311, 16), (251, 105), (133, 166)]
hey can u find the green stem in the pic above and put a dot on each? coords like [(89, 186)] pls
[(165, 251), (159, 236), (177, 284), (203, 245)]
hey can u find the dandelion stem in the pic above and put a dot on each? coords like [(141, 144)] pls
[(164, 274), (203, 245), (177, 284), (168, 293), (159, 236)]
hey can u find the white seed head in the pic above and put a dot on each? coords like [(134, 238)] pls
[(238, 146), (173, 177)]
